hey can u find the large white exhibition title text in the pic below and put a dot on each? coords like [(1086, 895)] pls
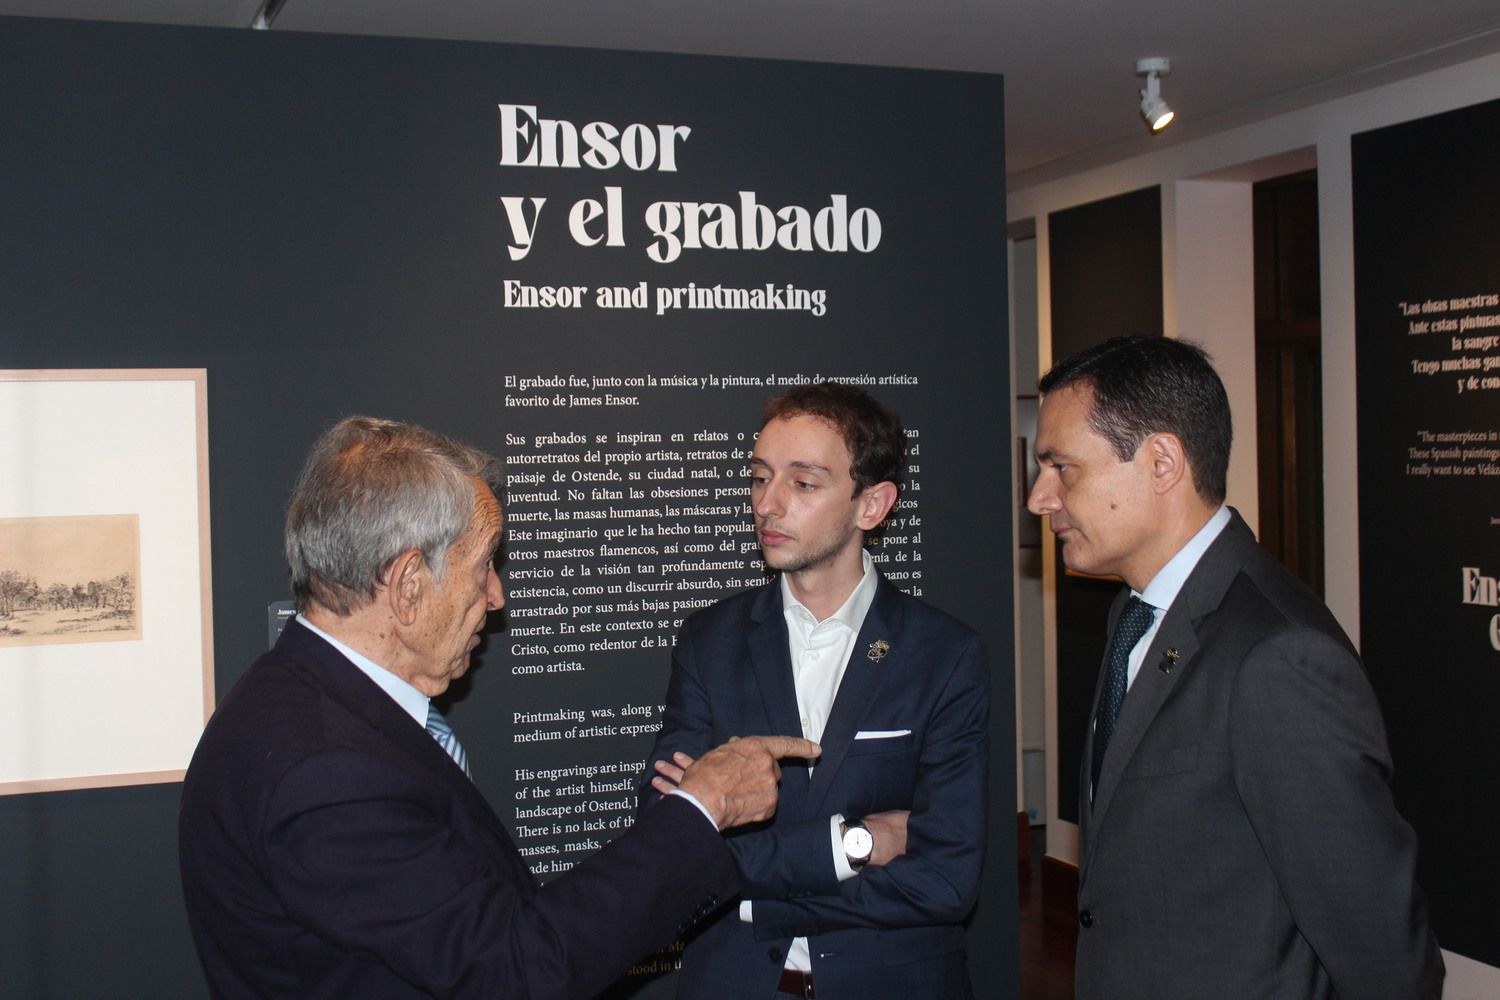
[(527, 140), (1485, 592)]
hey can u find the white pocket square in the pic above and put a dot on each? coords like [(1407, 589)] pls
[(881, 734)]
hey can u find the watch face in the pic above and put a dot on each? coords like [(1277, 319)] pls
[(858, 843)]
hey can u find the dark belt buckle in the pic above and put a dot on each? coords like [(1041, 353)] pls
[(797, 984)]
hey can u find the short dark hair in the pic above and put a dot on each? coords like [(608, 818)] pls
[(1153, 385), (371, 490), (873, 434)]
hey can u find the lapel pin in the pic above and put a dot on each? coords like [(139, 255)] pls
[(1169, 660), (877, 650)]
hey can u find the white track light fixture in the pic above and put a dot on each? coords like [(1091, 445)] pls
[(1153, 109)]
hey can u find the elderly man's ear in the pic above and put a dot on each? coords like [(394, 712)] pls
[(406, 584)]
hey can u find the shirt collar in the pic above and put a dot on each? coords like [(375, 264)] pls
[(412, 701), (851, 614), (1167, 583)]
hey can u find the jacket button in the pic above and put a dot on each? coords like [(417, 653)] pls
[(1086, 918), (775, 955)]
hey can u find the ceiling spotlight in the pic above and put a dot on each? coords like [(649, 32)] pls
[(1158, 116)]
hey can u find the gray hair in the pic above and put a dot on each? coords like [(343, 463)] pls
[(372, 489)]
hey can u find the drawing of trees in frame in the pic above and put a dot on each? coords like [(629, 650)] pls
[(69, 579)]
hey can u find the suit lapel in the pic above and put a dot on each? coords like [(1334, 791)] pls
[(864, 676), (345, 683), (770, 659), (1088, 802), (1160, 673), (1153, 686)]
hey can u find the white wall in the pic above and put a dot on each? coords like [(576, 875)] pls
[(1207, 271)]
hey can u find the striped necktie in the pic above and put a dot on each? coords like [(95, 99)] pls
[(443, 733)]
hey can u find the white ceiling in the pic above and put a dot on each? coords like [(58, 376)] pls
[(1069, 65)]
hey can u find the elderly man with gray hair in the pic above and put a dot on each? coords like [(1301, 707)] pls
[(332, 843)]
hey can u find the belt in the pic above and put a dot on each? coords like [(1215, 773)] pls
[(797, 984)]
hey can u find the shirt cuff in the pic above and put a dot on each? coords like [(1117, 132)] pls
[(841, 864), (696, 804)]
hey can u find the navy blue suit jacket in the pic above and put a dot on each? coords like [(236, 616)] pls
[(890, 931), (330, 848)]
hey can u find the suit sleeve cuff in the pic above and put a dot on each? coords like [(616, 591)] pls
[(696, 804)]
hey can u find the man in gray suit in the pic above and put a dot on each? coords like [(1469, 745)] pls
[(1237, 836)]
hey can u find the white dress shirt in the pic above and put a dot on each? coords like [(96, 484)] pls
[(820, 651)]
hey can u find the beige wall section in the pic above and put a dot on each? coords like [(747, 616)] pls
[(1211, 255), (1340, 434), (1200, 178)]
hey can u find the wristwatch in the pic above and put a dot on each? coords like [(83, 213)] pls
[(859, 844)]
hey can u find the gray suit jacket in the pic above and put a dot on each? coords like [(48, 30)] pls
[(1242, 841)]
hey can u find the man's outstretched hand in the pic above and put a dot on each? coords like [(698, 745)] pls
[(736, 781)]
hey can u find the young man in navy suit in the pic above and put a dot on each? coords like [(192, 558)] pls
[(332, 844), (1237, 835), (859, 885)]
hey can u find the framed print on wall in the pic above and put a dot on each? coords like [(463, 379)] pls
[(106, 644)]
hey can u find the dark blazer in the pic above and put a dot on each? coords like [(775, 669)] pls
[(1242, 841), (892, 931), (330, 848)]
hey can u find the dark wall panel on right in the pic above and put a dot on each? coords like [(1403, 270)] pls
[(1427, 328)]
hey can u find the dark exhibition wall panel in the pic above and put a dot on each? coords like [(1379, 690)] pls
[(1106, 282), (408, 228), (1427, 280)]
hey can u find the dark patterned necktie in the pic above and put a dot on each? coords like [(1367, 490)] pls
[(1133, 623), (443, 733)]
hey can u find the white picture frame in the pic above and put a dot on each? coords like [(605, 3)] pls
[(128, 447)]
